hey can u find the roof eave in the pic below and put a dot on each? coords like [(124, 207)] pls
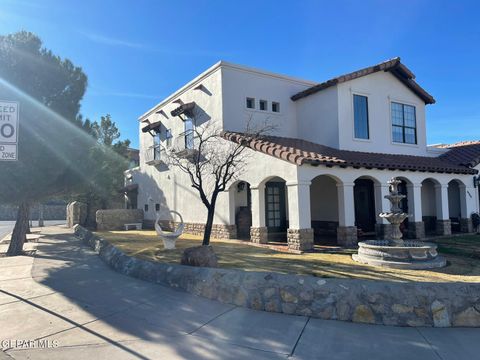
[(399, 70)]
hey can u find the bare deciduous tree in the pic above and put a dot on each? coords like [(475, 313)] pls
[(214, 162)]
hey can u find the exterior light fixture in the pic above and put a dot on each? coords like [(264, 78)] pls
[(476, 181), (241, 186)]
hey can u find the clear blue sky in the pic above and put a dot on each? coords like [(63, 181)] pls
[(137, 52)]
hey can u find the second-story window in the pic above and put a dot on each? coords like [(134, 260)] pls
[(156, 147), (188, 124), (275, 106), (263, 105), (168, 137), (404, 123), (360, 117), (250, 103)]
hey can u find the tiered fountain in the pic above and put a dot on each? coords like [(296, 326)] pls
[(396, 252)]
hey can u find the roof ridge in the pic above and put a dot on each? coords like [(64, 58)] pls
[(460, 143), (394, 65)]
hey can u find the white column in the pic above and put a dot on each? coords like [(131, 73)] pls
[(299, 216), (471, 198), (381, 203), (258, 206), (414, 196), (231, 207), (346, 204), (441, 199), (464, 201)]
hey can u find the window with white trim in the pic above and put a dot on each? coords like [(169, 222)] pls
[(404, 123), (250, 103)]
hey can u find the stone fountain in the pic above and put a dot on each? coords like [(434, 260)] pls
[(396, 252)]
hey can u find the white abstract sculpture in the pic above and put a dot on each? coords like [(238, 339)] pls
[(169, 238)]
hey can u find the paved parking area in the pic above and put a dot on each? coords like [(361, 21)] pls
[(70, 302)]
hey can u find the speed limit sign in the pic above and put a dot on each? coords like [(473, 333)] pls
[(8, 130)]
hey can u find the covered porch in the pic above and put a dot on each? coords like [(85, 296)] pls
[(299, 192), (341, 206)]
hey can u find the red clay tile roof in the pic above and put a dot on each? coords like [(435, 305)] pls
[(466, 153), (301, 152), (394, 66)]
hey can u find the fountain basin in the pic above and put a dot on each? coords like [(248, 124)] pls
[(415, 255)]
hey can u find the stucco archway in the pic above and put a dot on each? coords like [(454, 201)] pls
[(276, 208), (241, 208), (456, 204), (429, 205), (324, 208), (366, 211)]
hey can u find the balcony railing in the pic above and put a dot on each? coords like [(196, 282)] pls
[(154, 155), (185, 144)]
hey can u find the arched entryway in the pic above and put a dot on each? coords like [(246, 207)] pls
[(276, 209), (324, 209), (454, 205), (365, 213), (429, 206), (242, 203)]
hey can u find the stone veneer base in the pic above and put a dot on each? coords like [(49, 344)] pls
[(219, 231), (347, 236), (259, 235), (364, 301), (466, 225), (300, 239), (444, 227), (416, 230)]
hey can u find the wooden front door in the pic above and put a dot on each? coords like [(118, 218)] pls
[(275, 212), (364, 205)]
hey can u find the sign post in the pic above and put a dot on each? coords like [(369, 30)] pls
[(8, 130)]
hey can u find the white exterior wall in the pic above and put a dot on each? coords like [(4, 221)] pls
[(325, 117), (240, 83), (318, 117), (381, 88), (171, 188)]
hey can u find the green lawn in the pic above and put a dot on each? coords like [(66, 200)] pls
[(462, 253)]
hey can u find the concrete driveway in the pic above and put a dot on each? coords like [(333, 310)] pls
[(74, 306)]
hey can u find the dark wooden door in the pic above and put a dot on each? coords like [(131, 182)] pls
[(275, 212), (364, 205)]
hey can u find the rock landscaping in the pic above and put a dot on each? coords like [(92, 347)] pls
[(363, 301)]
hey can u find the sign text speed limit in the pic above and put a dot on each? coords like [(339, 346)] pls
[(8, 130)]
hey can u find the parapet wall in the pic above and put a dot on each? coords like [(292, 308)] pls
[(363, 301)]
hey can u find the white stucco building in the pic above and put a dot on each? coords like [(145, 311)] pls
[(324, 172)]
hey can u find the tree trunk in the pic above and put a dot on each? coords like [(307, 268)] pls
[(19, 231), (208, 226), (40, 216)]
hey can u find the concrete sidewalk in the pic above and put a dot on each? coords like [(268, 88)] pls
[(68, 300)]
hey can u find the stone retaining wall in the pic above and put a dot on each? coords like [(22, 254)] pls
[(363, 301), (116, 218), (219, 231)]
